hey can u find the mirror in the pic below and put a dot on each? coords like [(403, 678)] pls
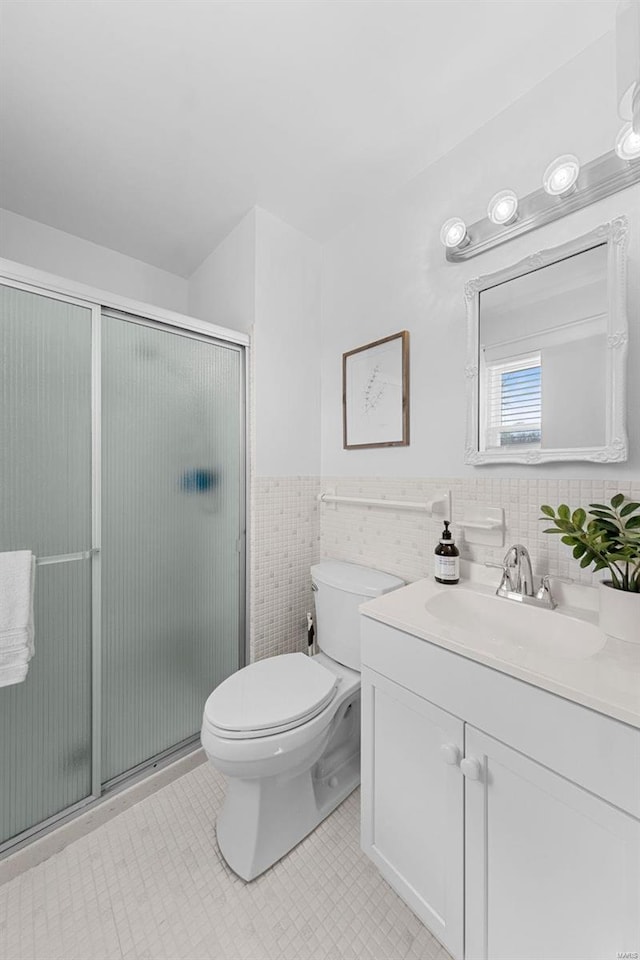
[(546, 355)]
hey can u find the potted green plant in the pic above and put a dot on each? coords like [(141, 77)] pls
[(607, 537)]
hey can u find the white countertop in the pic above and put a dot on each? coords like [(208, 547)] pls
[(607, 681)]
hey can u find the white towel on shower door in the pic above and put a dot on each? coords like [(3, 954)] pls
[(10, 675), (17, 575)]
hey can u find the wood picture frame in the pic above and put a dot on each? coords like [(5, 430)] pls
[(375, 394)]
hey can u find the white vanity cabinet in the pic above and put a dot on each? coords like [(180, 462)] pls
[(508, 818), (551, 870), (413, 802)]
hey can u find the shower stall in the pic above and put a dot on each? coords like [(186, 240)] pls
[(122, 468)]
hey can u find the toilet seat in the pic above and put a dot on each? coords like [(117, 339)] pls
[(270, 697)]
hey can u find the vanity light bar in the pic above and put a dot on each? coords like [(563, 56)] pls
[(600, 178)]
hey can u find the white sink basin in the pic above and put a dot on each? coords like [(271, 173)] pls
[(503, 623), (561, 650)]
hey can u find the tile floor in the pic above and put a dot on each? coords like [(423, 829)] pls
[(151, 884)]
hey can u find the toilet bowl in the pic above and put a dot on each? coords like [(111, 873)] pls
[(285, 731), (274, 796)]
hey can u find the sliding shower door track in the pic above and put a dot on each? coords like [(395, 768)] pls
[(110, 789), (123, 780)]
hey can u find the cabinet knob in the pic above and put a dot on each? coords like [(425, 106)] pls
[(471, 768), (450, 753)]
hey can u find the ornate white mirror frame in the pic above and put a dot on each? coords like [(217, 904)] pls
[(615, 449)]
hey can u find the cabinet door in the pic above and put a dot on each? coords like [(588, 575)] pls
[(552, 872), (412, 802)]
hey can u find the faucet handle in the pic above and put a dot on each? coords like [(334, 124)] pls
[(505, 580), (548, 577), (544, 590), (544, 594)]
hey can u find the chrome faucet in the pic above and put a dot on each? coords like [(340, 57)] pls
[(517, 579), (517, 575)]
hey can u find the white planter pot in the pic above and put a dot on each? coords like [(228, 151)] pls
[(619, 613)]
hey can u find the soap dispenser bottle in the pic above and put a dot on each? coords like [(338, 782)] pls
[(447, 558)]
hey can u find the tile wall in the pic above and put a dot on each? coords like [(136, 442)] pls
[(291, 530), (402, 543), (285, 542)]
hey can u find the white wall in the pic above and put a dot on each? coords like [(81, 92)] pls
[(287, 350), (388, 272), (45, 248), (265, 278), (222, 289)]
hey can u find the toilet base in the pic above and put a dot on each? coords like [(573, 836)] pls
[(263, 819)]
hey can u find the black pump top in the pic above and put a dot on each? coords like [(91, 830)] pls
[(446, 533)]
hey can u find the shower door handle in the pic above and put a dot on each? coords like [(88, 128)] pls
[(67, 557)]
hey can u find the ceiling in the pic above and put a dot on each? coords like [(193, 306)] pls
[(153, 126)]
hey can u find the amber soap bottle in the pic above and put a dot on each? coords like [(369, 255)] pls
[(447, 558)]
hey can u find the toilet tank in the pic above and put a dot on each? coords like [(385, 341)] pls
[(339, 590)]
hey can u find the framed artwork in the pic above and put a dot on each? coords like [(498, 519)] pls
[(375, 394)]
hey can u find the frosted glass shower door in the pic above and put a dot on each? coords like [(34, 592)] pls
[(172, 522), (45, 507)]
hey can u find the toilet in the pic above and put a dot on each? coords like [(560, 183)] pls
[(285, 731)]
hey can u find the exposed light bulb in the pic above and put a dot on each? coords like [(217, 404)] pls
[(454, 233), (503, 207), (628, 143), (628, 61), (561, 175)]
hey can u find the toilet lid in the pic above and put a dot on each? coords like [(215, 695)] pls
[(274, 694)]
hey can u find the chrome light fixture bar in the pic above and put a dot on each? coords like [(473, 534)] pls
[(600, 178)]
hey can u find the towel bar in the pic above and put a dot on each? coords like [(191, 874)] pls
[(438, 507), (67, 557)]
